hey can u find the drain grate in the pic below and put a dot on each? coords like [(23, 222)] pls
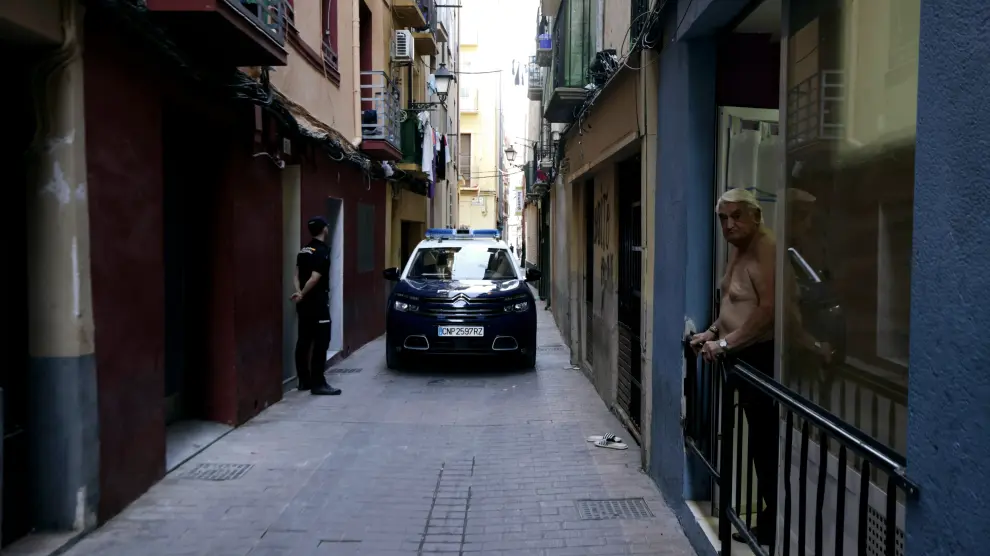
[(616, 508), (217, 471), (344, 371), (555, 347)]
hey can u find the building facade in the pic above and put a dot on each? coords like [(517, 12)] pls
[(846, 122), (169, 169), (593, 155), (482, 163)]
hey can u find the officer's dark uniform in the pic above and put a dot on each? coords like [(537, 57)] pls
[(313, 311)]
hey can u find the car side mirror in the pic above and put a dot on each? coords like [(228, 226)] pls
[(391, 274), (533, 274)]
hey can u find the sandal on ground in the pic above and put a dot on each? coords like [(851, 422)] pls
[(613, 445)]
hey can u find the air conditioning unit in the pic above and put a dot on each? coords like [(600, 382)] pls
[(402, 46)]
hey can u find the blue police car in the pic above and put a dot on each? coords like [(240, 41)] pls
[(461, 293)]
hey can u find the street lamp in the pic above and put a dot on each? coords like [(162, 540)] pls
[(510, 153), (443, 77)]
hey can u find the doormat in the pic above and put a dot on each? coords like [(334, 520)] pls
[(615, 508), (344, 371), (217, 471)]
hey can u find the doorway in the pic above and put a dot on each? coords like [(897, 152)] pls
[(187, 186), (18, 473), (190, 177), (749, 158), (335, 241), (589, 270), (291, 243), (629, 394)]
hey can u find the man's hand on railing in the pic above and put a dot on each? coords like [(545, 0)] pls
[(698, 341)]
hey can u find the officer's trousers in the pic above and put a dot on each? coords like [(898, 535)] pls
[(311, 349)]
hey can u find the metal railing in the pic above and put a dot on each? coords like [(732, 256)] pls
[(381, 108), (837, 466), (268, 15), (535, 74), (816, 109)]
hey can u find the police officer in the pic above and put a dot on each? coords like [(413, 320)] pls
[(313, 308)]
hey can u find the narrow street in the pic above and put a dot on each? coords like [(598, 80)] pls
[(436, 460)]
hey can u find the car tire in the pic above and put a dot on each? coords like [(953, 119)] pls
[(393, 359), (528, 360)]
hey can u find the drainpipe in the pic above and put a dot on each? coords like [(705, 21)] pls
[(356, 29)]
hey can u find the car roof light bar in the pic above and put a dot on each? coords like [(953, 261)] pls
[(447, 233)]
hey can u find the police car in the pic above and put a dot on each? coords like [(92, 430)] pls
[(461, 293)]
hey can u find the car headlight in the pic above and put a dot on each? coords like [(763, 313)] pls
[(405, 307), (517, 307)]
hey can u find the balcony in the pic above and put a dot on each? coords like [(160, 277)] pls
[(537, 80), (425, 36), (380, 115), (565, 93), (544, 42), (815, 110), (442, 34), (229, 32), (409, 13)]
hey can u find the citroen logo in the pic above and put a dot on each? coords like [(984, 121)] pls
[(459, 304)]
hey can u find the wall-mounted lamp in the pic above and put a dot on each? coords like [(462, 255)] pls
[(510, 153)]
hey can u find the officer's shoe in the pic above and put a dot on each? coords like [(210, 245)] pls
[(325, 390)]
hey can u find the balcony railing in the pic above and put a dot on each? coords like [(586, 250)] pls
[(381, 108), (268, 15), (537, 76), (854, 486), (815, 109)]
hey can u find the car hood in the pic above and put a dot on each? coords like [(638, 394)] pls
[(470, 288)]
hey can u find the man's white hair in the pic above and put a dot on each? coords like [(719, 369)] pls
[(744, 196)]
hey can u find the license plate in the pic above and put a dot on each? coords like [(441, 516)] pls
[(461, 331)]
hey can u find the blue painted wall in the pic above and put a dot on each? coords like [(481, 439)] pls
[(949, 401)]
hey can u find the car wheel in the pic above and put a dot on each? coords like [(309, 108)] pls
[(528, 360), (393, 359)]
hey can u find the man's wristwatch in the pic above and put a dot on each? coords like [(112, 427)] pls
[(723, 344)]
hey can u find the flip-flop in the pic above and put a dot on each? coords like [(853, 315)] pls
[(612, 445), (607, 436)]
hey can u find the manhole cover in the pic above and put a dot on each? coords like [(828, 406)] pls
[(344, 371), (217, 471), (616, 508)]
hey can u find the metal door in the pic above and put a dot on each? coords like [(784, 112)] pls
[(630, 267)]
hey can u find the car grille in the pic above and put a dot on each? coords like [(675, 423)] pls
[(444, 307)]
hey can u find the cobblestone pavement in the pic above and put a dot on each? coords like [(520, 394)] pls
[(450, 458)]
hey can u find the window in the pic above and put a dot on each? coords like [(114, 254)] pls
[(472, 262), (848, 203), (464, 162), (330, 32)]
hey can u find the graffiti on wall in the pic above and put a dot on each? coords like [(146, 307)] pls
[(602, 234)]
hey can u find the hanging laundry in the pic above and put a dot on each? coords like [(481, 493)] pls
[(442, 159), (446, 150), (428, 151)]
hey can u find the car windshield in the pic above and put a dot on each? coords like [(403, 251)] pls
[(474, 262)]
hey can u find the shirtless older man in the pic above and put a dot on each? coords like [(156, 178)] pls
[(744, 330)]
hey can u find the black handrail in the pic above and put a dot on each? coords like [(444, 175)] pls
[(889, 461), (715, 416)]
